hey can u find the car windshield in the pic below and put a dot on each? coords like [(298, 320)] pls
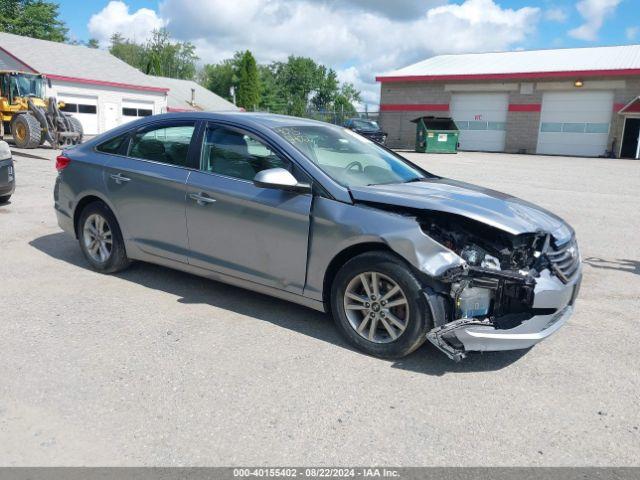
[(348, 158), (365, 124)]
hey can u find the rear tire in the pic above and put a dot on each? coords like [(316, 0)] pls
[(76, 127), (399, 313), (26, 131), (101, 240)]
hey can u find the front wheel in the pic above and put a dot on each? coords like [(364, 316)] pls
[(377, 303), (100, 239)]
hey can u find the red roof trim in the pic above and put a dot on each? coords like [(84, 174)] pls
[(18, 60), (421, 107), (505, 76), (632, 107), (525, 107), (105, 83)]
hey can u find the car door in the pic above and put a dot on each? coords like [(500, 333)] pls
[(147, 186), (237, 228)]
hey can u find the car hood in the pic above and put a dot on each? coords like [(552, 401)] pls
[(490, 207)]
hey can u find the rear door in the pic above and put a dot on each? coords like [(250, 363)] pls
[(238, 229), (147, 186)]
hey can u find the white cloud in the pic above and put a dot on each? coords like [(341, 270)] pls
[(115, 18), (632, 33), (358, 38), (556, 14), (594, 13)]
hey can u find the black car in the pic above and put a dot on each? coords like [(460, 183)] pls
[(367, 128), (7, 175)]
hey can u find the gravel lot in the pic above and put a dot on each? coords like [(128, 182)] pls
[(156, 367)]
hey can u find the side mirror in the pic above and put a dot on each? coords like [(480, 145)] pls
[(5, 151), (280, 179), (49, 82)]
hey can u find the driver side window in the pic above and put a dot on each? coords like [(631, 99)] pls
[(236, 154)]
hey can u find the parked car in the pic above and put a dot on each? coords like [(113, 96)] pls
[(7, 173), (323, 217), (367, 128)]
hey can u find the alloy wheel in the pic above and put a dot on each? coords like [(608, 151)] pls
[(98, 238), (376, 307)]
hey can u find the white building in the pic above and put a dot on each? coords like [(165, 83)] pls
[(101, 90)]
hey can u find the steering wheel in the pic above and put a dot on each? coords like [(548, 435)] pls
[(355, 164)]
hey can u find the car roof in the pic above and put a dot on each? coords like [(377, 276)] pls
[(268, 120)]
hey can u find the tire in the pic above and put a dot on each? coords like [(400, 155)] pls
[(76, 127), (116, 259), (414, 314), (26, 131), (5, 199)]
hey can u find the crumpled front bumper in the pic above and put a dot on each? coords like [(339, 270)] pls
[(464, 335), (550, 293)]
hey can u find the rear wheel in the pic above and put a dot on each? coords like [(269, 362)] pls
[(26, 131), (377, 302), (101, 240), (76, 127)]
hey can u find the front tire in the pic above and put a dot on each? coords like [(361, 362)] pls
[(377, 303), (76, 127), (26, 131), (5, 199), (101, 240)]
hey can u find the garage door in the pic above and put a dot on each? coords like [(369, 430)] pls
[(482, 119), (134, 109), (84, 108), (575, 123)]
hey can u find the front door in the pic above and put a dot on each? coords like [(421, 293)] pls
[(148, 188), (631, 139), (238, 229)]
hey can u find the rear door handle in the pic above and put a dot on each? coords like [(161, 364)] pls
[(118, 178), (201, 198)]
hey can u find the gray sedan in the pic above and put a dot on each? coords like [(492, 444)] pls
[(7, 173), (318, 215)]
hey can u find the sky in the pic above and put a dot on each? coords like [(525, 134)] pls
[(359, 38)]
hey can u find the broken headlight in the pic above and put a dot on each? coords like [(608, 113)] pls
[(479, 257)]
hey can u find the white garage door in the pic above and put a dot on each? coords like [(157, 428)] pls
[(575, 123), (134, 109), (84, 108), (482, 119)]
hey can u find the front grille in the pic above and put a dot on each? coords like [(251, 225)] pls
[(565, 260)]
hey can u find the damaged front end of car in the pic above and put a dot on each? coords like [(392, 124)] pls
[(509, 292)]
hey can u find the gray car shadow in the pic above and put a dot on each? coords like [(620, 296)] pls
[(191, 289)]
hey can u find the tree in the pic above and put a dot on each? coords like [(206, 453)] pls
[(93, 43), (159, 56), (344, 101), (32, 18), (248, 94), (221, 77), (327, 89), (297, 78)]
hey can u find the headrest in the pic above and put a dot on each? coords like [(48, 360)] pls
[(151, 147)]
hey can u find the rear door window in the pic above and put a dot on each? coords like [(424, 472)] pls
[(163, 143)]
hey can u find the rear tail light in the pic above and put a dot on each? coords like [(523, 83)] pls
[(62, 162)]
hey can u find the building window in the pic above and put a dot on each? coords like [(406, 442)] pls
[(573, 127), (136, 112), (70, 107), (87, 109)]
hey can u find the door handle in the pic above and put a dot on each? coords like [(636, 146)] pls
[(118, 178), (201, 199)]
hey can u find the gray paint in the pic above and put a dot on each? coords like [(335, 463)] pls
[(277, 242)]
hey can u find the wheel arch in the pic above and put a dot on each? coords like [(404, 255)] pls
[(344, 256), (82, 204)]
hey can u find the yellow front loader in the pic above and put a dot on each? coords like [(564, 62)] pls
[(31, 117)]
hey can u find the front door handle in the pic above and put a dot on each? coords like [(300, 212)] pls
[(119, 178), (201, 199)]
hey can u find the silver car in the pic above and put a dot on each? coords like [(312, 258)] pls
[(321, 216)]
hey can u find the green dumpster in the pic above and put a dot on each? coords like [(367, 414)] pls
[(436, 135)]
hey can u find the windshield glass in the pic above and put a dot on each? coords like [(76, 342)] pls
[(365, 124), (348, 158), (28, 85)]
